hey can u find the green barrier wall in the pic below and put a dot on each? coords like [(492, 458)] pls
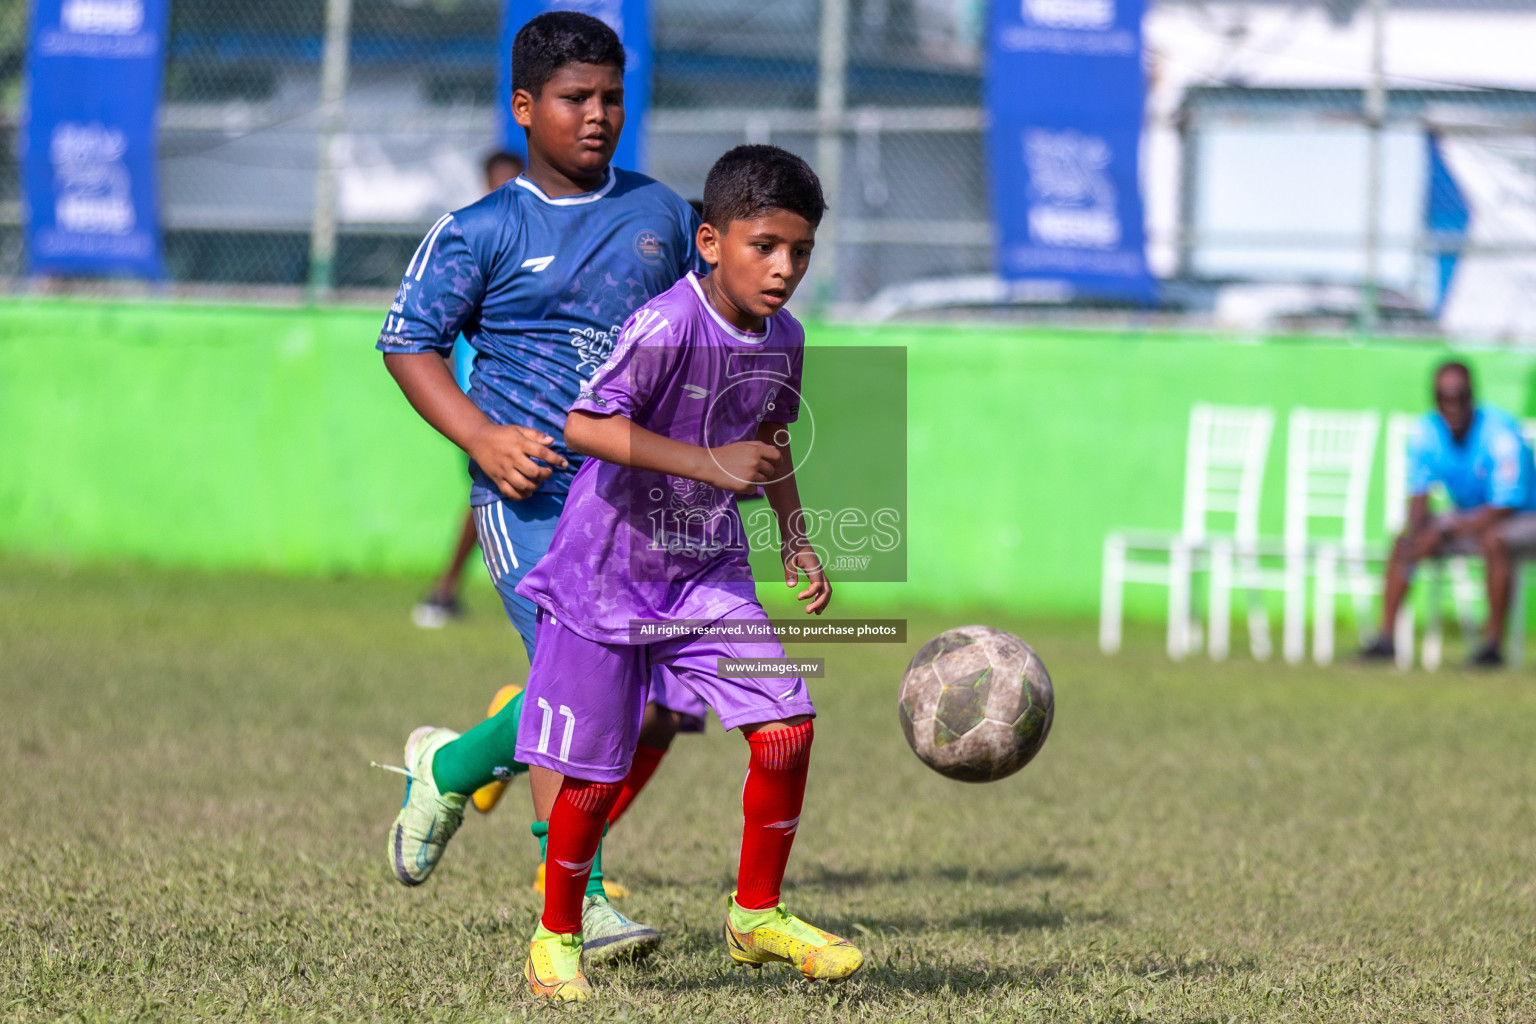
[(273, 440)]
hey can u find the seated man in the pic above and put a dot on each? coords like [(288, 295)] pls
[(1481, 458)]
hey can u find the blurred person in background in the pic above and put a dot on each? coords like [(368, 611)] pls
[(1480, 456), (442, 602)]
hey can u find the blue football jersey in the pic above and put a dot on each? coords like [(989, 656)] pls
[(1491, 466), (540, 287)]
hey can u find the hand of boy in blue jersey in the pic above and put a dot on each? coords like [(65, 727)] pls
[(804, 559), (506, 454)]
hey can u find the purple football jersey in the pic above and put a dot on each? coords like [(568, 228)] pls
[(636, 544)]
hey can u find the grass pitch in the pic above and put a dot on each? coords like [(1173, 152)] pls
[(191, 830)]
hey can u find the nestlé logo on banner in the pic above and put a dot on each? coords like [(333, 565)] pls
[(1092, 15), (102, 17), (1071, 198), (93, 191)]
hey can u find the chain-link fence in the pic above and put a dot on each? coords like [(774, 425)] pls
[(1273, 131)]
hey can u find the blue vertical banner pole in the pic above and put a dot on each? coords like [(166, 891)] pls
[(1065, 93), (631, 19), (89, 191)]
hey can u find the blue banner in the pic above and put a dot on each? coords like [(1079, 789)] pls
[(1446, 216), (631, 19), (1065, 92), (88, 165)]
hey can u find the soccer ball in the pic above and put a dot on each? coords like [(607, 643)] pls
[(976, 704)]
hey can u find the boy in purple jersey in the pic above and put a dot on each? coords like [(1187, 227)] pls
[(690, 411), (538, 276)]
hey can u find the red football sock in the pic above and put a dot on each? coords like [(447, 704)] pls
[(575, 828), (771, 801), (640, 771)]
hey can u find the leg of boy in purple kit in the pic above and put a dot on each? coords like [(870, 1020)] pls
[(604, 728)]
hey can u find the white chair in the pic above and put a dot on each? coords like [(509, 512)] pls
[(1223, 473), (1363, 577), (1327, 477), (1395, 517)]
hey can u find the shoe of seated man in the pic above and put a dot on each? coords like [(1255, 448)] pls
[(1379, 650), (1487, 656)]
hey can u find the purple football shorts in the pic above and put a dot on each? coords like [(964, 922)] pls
[(585, 699)]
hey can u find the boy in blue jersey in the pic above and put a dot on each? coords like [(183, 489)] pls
[(1480, 455), (538, 276)]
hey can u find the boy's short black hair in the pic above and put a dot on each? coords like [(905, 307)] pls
[(556, 38), (749, 181)]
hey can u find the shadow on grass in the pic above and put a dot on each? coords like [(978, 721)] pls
[(994, 921), (820, 877), (899, 973), (902, 974), (517, 925)]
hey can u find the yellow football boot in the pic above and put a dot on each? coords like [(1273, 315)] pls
[(775, 936), (554, 967)]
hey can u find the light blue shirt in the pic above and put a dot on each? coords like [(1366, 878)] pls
[(463, 362), (1491, 466)]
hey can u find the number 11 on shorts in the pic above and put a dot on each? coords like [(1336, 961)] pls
[(549, 717)]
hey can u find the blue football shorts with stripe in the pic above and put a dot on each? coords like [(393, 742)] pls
[(514, 535)]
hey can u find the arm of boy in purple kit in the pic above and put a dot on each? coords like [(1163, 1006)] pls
[(784, 498), (505, 453), (740, 467)]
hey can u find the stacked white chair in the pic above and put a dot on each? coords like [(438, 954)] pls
[(1223, 475), (1343, 451), (1395, 517), (1327, 479)]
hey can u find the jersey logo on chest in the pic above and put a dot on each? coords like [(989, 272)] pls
[(538, 264), (592, 345)]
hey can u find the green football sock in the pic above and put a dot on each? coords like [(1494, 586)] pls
[(540, 830), (482, 755), (595, 879)]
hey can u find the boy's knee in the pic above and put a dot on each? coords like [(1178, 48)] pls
[(783, 749), (590, 797)]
